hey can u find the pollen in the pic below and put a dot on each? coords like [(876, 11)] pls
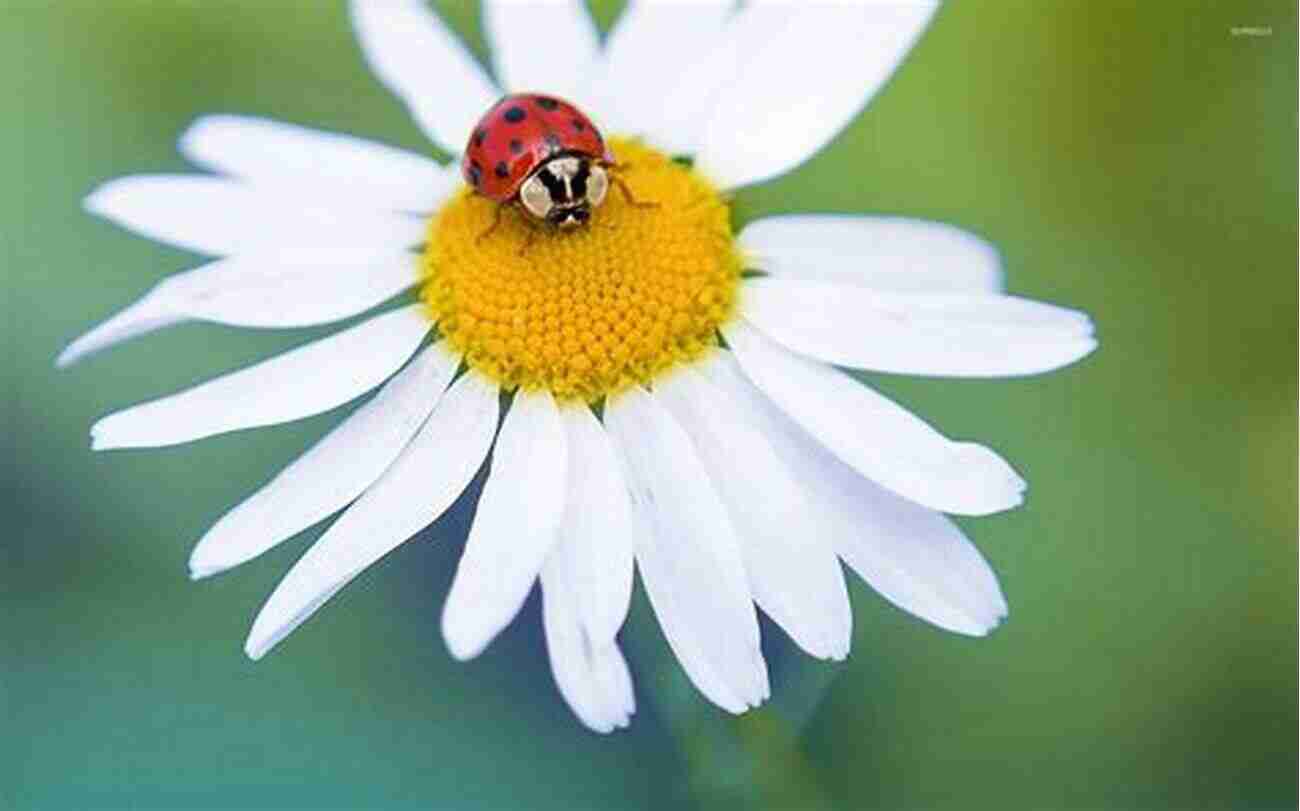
[(586, 312)]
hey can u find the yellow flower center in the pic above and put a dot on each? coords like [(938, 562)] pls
[(586, 312)]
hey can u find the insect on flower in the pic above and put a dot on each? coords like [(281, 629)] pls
[(661, 394), (544, 155)]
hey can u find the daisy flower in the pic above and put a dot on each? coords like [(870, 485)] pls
[(650, 391)]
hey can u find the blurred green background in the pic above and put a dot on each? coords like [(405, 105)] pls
[(1135, 160)]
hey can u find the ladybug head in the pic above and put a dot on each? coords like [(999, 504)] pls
[(564, 190)]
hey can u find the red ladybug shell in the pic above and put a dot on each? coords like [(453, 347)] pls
[(518, 134)]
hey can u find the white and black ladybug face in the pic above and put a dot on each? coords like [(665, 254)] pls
[(564, 190)]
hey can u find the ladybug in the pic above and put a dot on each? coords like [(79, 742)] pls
[(543, 154)]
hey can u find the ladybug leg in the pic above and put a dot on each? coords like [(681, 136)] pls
[(533, 228), (628, 196), (496, 220)]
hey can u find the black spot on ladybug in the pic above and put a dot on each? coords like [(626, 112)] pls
[(515, 114), (553, 144), (475, 173), (546, 103), (479, 137), (501, 170), (578, 125), (516, 146)]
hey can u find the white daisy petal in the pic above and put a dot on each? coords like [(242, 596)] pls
[(308, 380), (587, 579), (592, 678), (308, 161), (692, 82), (420, 485), (144, 316), (218, 216), (515, 527), (644, 58), (798, 92), (549, 46), (792, 569), (424, 64), (258, 291), (916, 333), (611, 671), (916, 558), (884, 253), (286, 291), (689, 558), (876, 437), (332, 472), (598, 528)]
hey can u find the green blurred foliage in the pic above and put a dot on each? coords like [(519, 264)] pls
[(1136, 160)]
